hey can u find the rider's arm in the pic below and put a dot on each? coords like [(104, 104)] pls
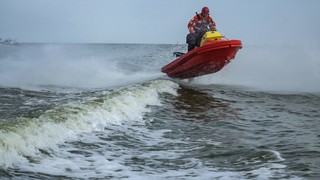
[(212, 24), (192, 23)]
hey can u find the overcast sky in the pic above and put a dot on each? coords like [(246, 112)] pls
[(157, 21)]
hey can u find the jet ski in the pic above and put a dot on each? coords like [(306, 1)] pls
[(211, 56)]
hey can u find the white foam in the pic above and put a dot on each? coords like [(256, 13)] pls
[(277, 154), (270, 171), (108, 159)]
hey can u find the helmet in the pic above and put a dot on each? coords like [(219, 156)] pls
[(205, 10)]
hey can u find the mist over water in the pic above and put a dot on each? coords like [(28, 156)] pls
[(272, 68), (71, 66)]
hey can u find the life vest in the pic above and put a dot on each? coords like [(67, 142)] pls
[(198, 23)]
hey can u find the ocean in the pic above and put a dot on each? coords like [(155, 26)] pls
[(105, 111)]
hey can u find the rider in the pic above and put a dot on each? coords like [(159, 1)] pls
[(198, 26)]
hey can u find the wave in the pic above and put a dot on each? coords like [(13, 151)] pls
[(23, 139)]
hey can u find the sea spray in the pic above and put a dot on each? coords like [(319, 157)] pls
[(272, 68)]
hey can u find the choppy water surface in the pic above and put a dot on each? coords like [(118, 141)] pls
[(93, 111)]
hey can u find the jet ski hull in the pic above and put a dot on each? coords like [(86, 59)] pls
[(207, 59)]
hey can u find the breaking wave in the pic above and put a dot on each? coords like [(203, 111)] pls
[(23, 139)]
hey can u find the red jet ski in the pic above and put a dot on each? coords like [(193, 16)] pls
[(213, 54)]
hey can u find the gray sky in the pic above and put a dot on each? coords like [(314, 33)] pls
[(255, 22)]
